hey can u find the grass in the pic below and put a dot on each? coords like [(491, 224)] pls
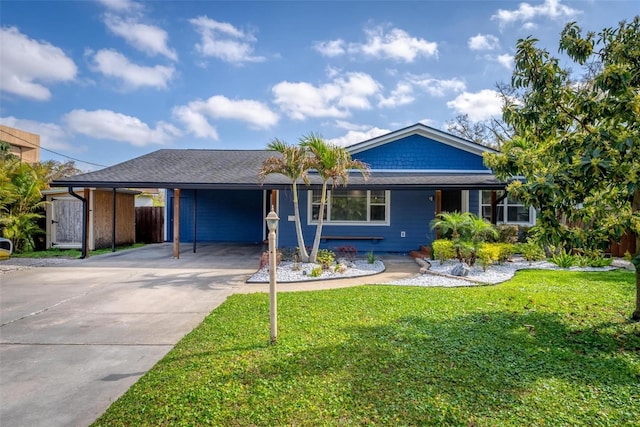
[(545, 349), (70, 253)]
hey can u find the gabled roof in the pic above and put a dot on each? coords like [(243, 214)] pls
[(425, 131), (238, 169)]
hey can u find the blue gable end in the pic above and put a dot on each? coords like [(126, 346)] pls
[(416, 152)]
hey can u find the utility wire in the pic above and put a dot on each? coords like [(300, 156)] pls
[(51, 151)]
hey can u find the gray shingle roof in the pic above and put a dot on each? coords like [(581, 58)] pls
[(238, 169)]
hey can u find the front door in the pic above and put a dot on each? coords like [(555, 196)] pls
[(451, 201)]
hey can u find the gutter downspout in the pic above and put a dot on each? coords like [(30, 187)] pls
[(84, 221)]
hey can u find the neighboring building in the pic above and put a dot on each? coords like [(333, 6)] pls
[(416, 172), (25, 145), (64, 218)]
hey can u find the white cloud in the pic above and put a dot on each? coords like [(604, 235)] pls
[(330, 48), (121, 5), (147, 38), (483, 42), (479, 106), (356, 136), (195, 114), (437, 87), (114, 64), (196, 122), (224, 41), (52, 136), (335, 99), (106, 124), (28, 64), (505, 60), (394, 44), (551, 9), (401, 95)]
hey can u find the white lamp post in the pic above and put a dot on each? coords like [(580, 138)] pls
[(272, 223)]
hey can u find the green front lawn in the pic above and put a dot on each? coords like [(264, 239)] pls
[(546, 348)]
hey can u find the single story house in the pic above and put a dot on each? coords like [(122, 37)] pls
[(416, 172)]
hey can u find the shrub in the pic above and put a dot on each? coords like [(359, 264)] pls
[(371, 258), (564, 260), (488, 254), (531, 251), (326, 258), (340, 268), (506, 252), (316, 271), (443, 249), (495, 252), (593, 259), (349, 252), (507, 233), (264, 259)]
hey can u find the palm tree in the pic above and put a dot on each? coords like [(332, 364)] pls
[(293, 162), (334, 163), (454, 222)]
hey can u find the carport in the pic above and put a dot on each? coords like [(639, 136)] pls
[(212, 195)]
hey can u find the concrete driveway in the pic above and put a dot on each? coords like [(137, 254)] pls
[(75, 336)]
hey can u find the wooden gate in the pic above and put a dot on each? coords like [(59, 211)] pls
[(66, 222), (149, 224)]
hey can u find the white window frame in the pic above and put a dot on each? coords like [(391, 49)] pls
[(367, 223), (505, 211)]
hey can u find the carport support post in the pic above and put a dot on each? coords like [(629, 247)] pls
[(113, 223), (176, 223)]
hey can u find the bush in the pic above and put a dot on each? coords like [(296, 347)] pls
[(488, 254), (593, 259), (371, 258), (326, 258), (495, 252), (264, 259), (443, 249), (348, 252), (564, 260), (316, 271), (507, 233), (530, 251)]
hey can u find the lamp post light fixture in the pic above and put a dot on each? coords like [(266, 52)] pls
[(272, 223)]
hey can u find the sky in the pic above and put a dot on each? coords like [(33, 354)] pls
[(105, 81)]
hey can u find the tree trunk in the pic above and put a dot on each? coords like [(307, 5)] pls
[(316, 241), (635, 207), (302, 249)]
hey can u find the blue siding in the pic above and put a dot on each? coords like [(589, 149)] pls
[(411, 212), (420, 153), (237, 215)]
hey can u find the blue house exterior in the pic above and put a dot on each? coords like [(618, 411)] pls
[(416, 172)]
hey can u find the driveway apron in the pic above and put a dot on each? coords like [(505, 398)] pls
[(75, 336)]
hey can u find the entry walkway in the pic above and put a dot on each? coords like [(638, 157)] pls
[(75, 336)]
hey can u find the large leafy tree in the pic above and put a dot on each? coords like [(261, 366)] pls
[(577, 140), (292, 162), (21, 204), (333, 164)]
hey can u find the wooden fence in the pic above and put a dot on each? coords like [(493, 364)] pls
[(149, 224), (626, 243)]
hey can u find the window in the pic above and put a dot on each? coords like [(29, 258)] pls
[(352, 206), (510, 210)]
